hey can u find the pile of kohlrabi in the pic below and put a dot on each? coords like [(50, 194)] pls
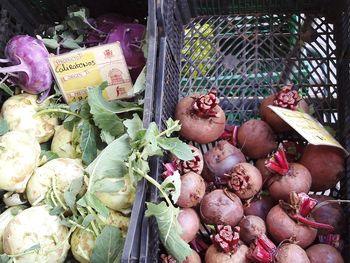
[(68, 173)]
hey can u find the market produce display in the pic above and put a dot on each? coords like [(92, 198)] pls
[(255, 204), (69, 172)]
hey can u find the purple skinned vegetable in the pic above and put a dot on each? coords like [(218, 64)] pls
[(105, 23), (28, 57), (130, 37)]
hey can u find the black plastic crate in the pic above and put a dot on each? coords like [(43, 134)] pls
[(23, 17), (247, 49)]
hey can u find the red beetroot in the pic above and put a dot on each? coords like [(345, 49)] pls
[(220, 159), (259, 206), (201, 118), (192, 190), (285, 98), (281, 227), (251, 228), (333, 240), (244, 180), (293, 220), (288, 253), (230, 134), (326, 165), (265, 173), (294, 150), (221, 207), (330, 213), (189, 222), (226, 248), (256, 139), (322, 253), (288, 178), (262, 250), (195, 165)]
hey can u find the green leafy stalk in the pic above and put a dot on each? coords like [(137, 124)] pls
[(48, 111), (156, 184), (109, 246), (153, 142)]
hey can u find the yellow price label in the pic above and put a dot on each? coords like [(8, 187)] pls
[(308, 127), (77, 70)]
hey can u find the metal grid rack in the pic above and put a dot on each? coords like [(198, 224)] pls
[(247, 50), (23, 17)]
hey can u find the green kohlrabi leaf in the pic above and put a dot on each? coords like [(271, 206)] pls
[(169, 230), (105, 119), (6, 89), (51, 43), (70, 121), (96, 99), (32, 248), (172, 126), (108, 185), (84, 110), (5, 259), (108, 246), (87, 220), (89, 199), (56, 211), (133, 126), (70, 44), (140, 83), (110, 162), (77, 17), (77, 11), (88, 142), (70, 196), (108, 122), (172, 186), (180, 149), (4, 127), (107, 137), (46, 156), (151, 135), (75, 186)]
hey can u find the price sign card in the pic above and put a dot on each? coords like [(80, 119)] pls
[(77, 70), (308, 127)]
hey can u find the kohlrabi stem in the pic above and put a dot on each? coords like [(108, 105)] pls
[(155, 183), (49, 98), (52, 195), (61, 243), (94, 28), (75, 224), (54, 189), (24, 253), (169, 128), (58, 111), (312, 224), (4, 79), (16, 68), (4, 60), (94, 226)]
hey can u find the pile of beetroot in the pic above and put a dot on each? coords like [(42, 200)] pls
[(250, 192)]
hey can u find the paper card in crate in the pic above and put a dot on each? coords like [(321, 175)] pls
[(77, 70)]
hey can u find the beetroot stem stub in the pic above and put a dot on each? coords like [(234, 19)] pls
[(204, 105)]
